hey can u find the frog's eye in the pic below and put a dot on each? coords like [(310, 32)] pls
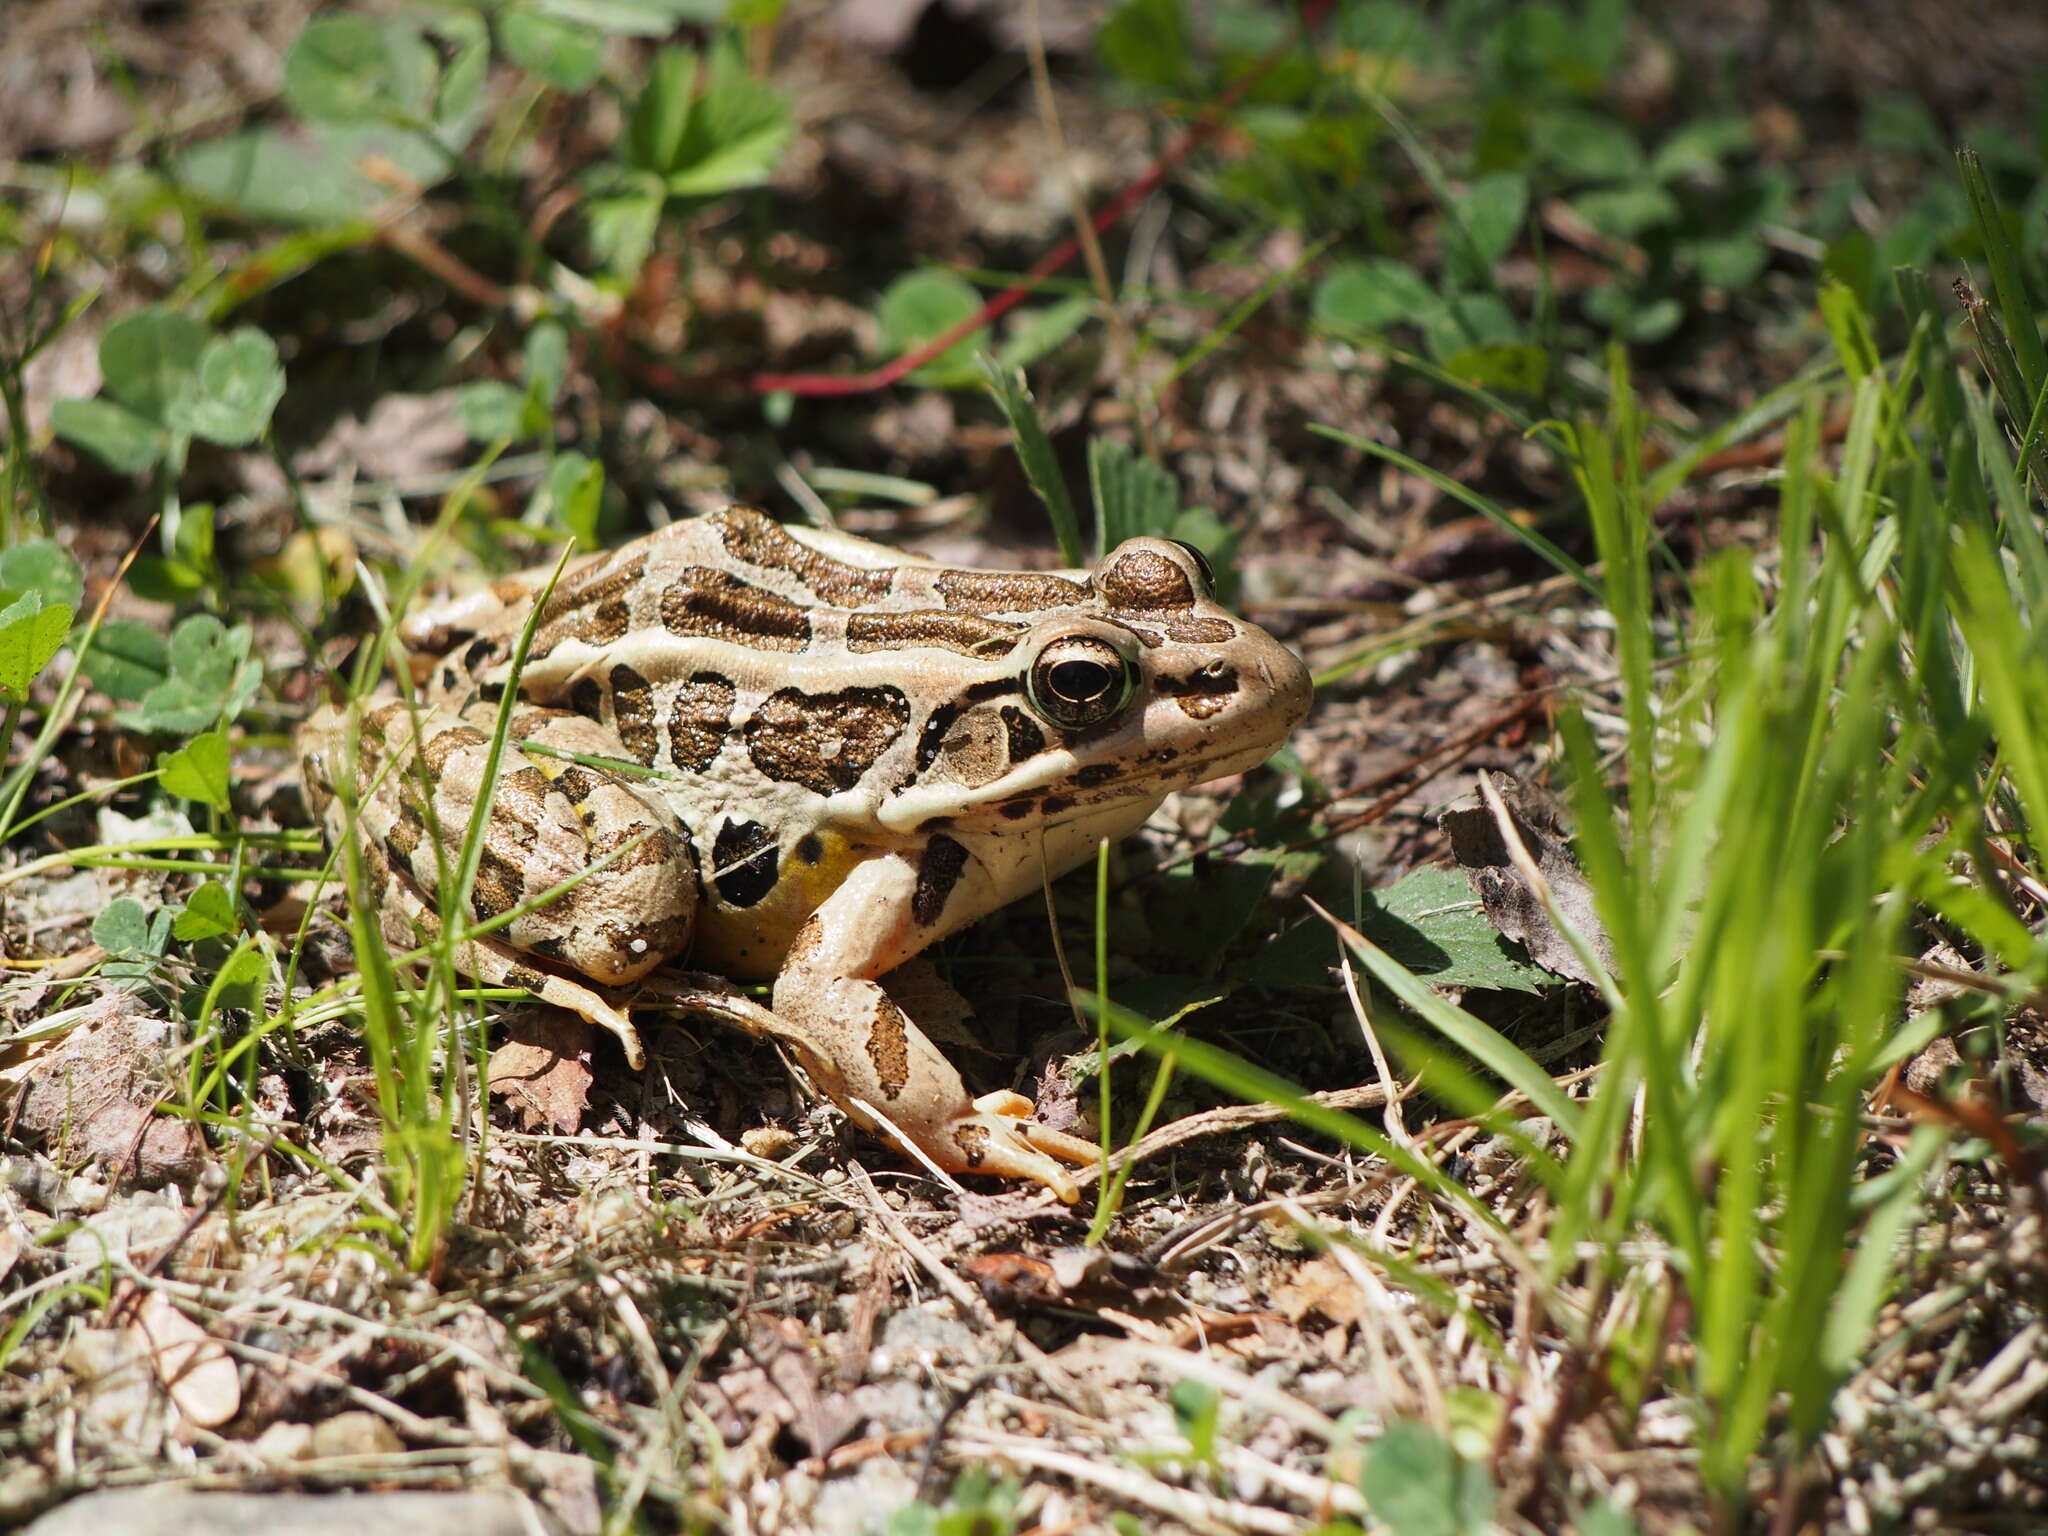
[(1202, 565), (1080, 680)]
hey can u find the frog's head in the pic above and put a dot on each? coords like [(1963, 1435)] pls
[(1142, 684)]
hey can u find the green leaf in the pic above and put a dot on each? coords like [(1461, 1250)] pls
[(921, 305), (1209, 908), (198, 771), (127, 658), (149, 360), (290, 177), (340, 69), (1430, 921), (41, 566), (184, 574), (1147, 42), (206, 652), (1700, 147), (1366, 297), (737, 131), (1615, 307), (466, 49), (547, 359), (1605, 1519), (1133, 496), (126, 443), (576, 485), (209, 913), (493, 410), (1516, 370), (31, 632), (1587, 146), (1627, 211), (635, 18), (1471, 320), (1418, 1486), (1491, 211), (123, 930), (212, 677), (1301, 956), (1729, 262), (1035, 332), (1197, 1407), (1035, 453), (239, 384), (654, 131), (1842, 312), (564, 54), (622, 227), (240, 981)]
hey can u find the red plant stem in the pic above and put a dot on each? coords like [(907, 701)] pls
[(1313, 13)]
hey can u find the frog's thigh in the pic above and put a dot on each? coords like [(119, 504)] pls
[(548, 821), (633, 910), (866, 1054), (408, 921)]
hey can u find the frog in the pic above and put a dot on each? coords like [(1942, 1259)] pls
[(781, 754)]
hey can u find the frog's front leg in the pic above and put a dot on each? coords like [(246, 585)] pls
[(871, 1059)]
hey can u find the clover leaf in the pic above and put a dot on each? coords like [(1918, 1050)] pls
[(31, 632), (198, 770), (211, 912), (211, 677), (165, 381)]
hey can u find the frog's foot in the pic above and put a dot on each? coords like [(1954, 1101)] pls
[(563, 993), (999, 1137)]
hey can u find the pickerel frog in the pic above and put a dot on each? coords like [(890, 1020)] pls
[(795, 755)]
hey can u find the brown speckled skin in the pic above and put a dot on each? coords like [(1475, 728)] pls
[(839, 755)]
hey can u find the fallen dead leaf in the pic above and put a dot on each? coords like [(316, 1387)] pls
[(1512, 904), (1320, 1286), (92, 1097), (543, 1070)]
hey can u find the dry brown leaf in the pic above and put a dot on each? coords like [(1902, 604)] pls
[(92, 1098), (1320, 1286), (543, 1071), (1512, 905)]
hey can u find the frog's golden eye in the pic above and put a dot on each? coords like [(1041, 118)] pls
[(1202, 565), (1080, 681)]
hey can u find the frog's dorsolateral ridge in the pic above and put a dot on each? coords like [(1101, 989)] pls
[(818, 755)]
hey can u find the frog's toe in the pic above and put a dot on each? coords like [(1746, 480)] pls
[(1000, 1139), (564, 993)]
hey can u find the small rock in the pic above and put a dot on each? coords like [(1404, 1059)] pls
[(284, 1443), (360, 1433)]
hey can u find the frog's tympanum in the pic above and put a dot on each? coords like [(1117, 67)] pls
[(794, 755)]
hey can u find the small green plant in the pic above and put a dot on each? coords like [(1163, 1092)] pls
[(1132, 495), (167, 381), (699, 128), (922, 306), (977, 1504), (198, 676), (1416, 1484)]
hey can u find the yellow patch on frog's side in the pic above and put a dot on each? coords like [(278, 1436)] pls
[(749, 944)]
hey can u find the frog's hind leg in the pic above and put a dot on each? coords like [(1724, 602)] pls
[(409, 922), (620, 863)]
